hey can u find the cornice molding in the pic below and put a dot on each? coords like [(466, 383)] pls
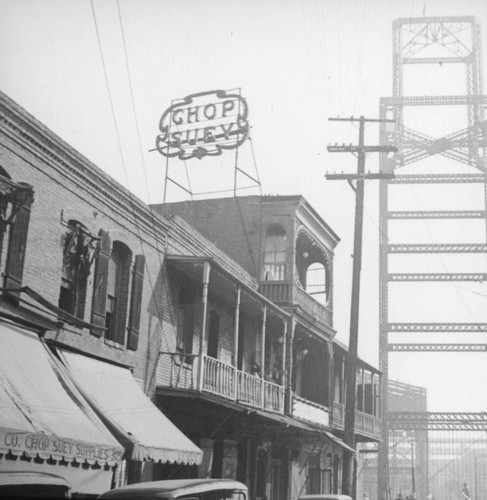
[(38, 140)]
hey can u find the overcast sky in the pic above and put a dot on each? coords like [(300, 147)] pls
[(297, 63)]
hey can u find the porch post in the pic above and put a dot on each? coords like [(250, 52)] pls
[(262, 355), (204, 302), (284, 354), (289, 366), (236, 341), (363, 391)]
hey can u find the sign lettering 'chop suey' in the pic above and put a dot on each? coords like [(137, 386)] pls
[(203, 124)]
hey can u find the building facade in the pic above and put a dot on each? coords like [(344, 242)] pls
[(187, 340), (287, 248), (80, 315)]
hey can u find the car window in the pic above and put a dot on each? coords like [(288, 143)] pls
[(223, 495)]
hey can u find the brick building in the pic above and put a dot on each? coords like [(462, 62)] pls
[(81, 316), (193, 339)]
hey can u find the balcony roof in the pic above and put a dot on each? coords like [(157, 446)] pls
[(344, 348), (187, 263)]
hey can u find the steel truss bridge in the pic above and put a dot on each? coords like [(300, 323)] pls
[(426, 41)]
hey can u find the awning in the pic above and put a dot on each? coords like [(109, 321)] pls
[(129, 413), (41, 412), (338, 441), (299, 425)]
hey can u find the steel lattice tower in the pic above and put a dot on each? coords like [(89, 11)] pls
[(452, 42)]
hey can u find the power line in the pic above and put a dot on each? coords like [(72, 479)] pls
[(122, 158)]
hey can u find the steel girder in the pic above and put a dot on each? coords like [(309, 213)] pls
[(438, 214), (438, 248), (439, 100), (437, 421), (437, 347), (459, 40), (436, 327), (415, 146), (437, 277), (439, 179)]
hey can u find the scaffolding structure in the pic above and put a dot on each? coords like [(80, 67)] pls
[(441, 42)]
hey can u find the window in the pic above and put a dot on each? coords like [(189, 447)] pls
[(15, 203), (186, 313), (275, 254), (110, 306), (319, 476), (78, 252), (316, 282), (315, 475), (117, 292)]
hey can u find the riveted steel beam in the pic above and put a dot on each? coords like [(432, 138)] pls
[(437, 214), (405, 347), (437, 276), (436, 327), (438, 248)]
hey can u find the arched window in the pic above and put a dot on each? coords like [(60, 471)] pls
[(117, 292), (316, 282), (15, 206), (275, 254), (111, 292)]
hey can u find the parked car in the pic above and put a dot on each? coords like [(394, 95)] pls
[(189, 489), (21, 484), (325, 496)]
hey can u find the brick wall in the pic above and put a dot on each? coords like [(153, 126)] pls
[(232, 224), (67, 186)]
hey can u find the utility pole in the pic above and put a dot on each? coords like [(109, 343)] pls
[(350, 464), (413, 477)]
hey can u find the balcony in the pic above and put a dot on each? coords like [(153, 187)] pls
[(178, 371), (365, 424), (289, 293)]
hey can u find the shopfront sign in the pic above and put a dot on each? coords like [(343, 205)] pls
[(46, 445), (203, 124)]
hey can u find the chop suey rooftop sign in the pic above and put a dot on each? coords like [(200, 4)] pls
[(203, 124)]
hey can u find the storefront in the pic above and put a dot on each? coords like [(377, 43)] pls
[(46, 425)]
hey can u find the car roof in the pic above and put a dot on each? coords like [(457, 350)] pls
[(23, 477), (172, 488)]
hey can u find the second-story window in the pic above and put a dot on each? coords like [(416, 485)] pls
[(15, 204), (111, 286), (117, 292), (275, 254), (78, 252)]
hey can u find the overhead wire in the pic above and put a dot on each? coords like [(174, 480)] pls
[(120, 149)]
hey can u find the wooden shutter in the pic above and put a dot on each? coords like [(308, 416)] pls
[(14, 267), (136, 302), (98, 307)]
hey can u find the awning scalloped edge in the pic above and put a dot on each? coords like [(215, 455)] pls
[(53, 447), (141, 452)]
